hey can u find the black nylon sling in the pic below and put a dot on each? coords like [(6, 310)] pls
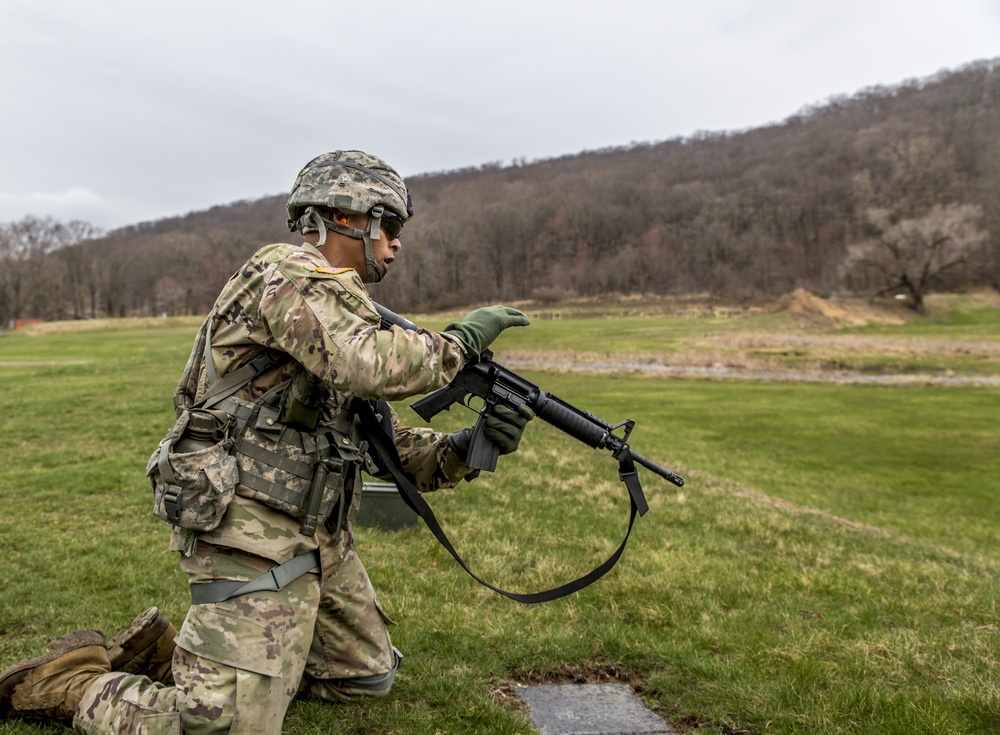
[(388, 458)]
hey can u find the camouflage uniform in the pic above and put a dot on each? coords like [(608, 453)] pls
[(239, 663)]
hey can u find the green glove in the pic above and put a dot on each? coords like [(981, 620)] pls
[(479, 328), (503, 426)]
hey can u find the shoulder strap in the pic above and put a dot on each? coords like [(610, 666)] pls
[(383, 445), (211, 372), (220, 389), (225, 387)]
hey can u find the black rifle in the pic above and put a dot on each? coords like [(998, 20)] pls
[(495, 385)]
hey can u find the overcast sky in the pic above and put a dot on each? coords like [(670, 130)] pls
[(122, 111)]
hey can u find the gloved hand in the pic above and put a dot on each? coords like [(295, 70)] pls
[(504, 427), (479, 328)]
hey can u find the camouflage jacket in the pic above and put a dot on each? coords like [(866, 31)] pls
[(288, 298)]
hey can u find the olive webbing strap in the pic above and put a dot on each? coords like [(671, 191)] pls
[(383, 445), (273, 580), (210, 370), (221, 388)]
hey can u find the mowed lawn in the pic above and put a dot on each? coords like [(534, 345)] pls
[(831, 565)]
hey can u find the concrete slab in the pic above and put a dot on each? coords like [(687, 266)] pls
[(590, 709)]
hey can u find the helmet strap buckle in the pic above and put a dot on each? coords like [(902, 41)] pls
[(374, 271), (375, 222)]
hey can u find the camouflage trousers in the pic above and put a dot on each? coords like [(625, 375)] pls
[(239, 663)]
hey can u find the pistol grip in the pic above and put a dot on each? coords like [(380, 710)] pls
[(482, 453)]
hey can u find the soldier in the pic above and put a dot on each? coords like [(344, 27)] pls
[(261, 480)]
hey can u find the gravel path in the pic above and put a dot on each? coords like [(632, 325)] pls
[(720, 372)]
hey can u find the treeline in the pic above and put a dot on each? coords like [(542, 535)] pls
[(894, 188)]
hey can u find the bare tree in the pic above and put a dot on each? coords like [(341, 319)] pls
[(25, 288), (912, 255), (80, 266)]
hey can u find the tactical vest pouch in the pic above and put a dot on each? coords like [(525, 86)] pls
[(302, 401), (277, 463), (192, 489)]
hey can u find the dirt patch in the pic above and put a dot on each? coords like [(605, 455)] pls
[(504, 695), (92, 325), (912, 347), (584, 673), (847, 312), (41, 363)]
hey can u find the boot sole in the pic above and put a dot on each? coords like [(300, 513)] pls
[(13, 676)]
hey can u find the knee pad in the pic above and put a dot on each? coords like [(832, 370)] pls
[(364, 687)]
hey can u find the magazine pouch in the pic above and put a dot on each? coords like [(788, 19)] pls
[(280, 466)]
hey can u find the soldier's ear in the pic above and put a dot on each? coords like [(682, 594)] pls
[(340, 217)]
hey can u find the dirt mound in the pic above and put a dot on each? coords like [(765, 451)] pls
[(845, 312)]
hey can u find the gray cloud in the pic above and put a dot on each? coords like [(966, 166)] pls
[(118, 112)]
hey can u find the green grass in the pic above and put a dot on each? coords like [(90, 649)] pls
[(960, 337), (830, 566)]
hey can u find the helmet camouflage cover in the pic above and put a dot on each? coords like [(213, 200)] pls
[(351, 181)]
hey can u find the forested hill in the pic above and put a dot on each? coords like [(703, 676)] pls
[(807, 202)]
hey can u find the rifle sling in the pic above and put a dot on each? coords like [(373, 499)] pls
[(383, 445)]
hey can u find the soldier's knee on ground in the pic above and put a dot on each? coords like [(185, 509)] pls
[(356, 688)]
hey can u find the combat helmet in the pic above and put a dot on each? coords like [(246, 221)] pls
[(354, 182)]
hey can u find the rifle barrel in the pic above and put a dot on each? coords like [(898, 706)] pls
[(661, 471)]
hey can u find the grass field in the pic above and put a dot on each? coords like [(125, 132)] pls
[(831, 565)]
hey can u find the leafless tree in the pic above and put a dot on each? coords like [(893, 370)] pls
[(912, 255)]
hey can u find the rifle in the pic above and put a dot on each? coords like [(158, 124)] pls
[(496, 385)]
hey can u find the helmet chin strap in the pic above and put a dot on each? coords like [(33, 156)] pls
[(374, 271)]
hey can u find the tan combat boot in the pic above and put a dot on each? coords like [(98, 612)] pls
[(145, 647), (52, 685)]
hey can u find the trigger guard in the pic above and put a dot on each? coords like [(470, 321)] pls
[(467, 402)]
